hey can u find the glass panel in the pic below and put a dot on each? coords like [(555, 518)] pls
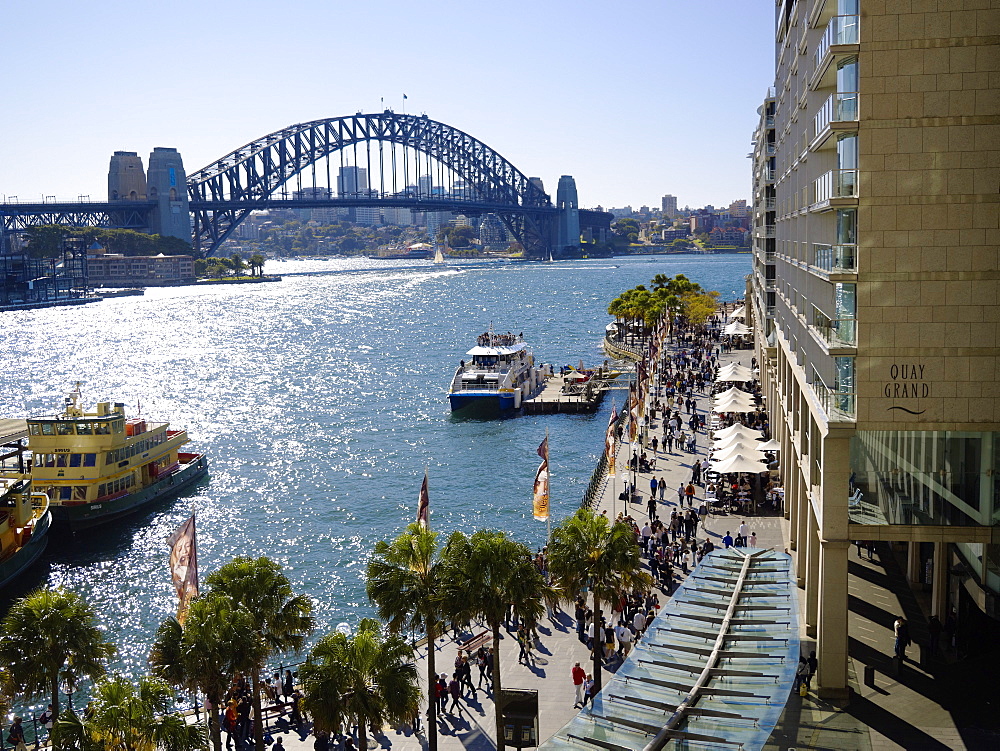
[(83, 428), (926, 477), (847, 7), (847, 223), (847, 152), (847, 76)]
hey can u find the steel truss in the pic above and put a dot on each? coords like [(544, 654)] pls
[(224, 193)]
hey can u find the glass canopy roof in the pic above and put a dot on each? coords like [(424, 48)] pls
[(714, 669)]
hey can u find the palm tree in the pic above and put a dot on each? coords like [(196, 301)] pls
[(277, 618), (49, 635), (127, 717), (404, 583), (365, 680), (484, 575), (214, 643), (257, 262), (588, 551)]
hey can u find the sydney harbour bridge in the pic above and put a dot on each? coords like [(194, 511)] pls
[(385, 160)]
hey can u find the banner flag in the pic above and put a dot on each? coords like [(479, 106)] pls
[(184, 565), (541, 486), (424, 505), (610, 444)]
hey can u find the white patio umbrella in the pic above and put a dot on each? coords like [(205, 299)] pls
[(734, 401), (742, 449), (735, 372), (740, 312), (731, 391), (754, 456), (736, 439), (737, 428), (736, 329), (722, 409), (737, 463), (771, 445)]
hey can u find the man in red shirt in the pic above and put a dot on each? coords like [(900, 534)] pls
[(579, 674)]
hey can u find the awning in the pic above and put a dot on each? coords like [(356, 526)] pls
[(738, 672), (496, 351)]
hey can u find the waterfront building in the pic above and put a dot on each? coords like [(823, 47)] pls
[(32, 278), (114, 270), (874, 298), (492, 231)]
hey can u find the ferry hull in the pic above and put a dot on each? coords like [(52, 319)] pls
[(83, 516), (492, 401), (28, 554)]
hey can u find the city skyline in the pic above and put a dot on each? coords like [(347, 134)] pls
[(552, 104)]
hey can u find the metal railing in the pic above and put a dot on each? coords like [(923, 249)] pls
[(835, 258), (770, 204), (835, 331), (768, 174), (836, 404), (765, 230), (837, 183), (839, 107), (595, 488), (840, 30)]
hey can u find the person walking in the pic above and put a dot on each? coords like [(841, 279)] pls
[(579, 677), (753, 540), (727, 541), (662, 486), (15, 736), (455, 689), (801, 674), (813, 665), (651, 507), (902, 632), (588, 690)]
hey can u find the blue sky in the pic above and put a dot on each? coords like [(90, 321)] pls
[(635, 99)]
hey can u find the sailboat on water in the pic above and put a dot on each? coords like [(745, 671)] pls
[(438, 255)]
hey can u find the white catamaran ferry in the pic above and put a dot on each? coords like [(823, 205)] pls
[(499, 376)]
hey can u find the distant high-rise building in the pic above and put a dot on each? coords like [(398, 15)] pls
[(492, 231), (352, 182), (668, 205), (126, 177), (738, 209), (166, 184)]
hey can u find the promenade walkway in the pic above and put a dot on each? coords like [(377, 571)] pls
[(900, 711)]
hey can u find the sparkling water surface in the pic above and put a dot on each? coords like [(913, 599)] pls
[(319, 401)]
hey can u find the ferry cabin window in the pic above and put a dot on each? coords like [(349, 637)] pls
[(66, 494), (48, 428), (102, 428), (84, 428), (101, 490), (89, 460), (79, 492), (35, 429), (64, 428), (119, 426), (75, 460), (62, 460)]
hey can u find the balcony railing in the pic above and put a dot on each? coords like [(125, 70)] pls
[(840, 30), (839, 107), (837, 332), (769, 121), (765, 230), (768, 174), (770, 204), (838, 183), (769, 148), (836, 404), (837, 259), (770, 282)]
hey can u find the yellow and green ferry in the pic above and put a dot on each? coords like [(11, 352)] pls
[(98, 466)]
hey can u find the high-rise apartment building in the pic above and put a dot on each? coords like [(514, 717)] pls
[(668, 205), (875, 300)]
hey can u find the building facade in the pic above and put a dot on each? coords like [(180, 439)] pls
[(875, 300), (112, 270)]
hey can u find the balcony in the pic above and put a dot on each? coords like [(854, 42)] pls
[(837, 183), (836, 259), (769, 121), (764, 230), (836, 332), (768, 174), (770, 204), (838, 405), (841, 107), (840, 30)]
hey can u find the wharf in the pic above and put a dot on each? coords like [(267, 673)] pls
[(564, 395)]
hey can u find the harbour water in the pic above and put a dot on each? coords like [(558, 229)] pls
[(320, 401)]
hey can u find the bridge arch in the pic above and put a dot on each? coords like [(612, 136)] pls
[(225, 192)]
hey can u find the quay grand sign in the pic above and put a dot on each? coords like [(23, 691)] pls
[(906, 384)]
